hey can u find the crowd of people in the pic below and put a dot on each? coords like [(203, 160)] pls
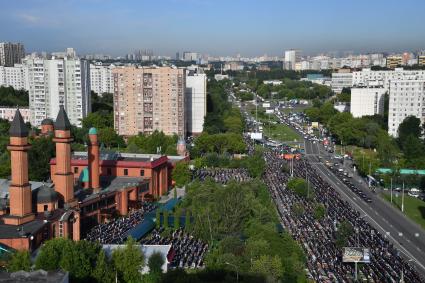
[(318, 236), (223, 175), (186, 251), (115, 231)]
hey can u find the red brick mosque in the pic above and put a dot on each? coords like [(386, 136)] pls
[(86, 188)]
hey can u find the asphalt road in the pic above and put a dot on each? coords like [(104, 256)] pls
[(405, 234)]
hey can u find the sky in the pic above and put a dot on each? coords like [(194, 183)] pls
[(215, 27)]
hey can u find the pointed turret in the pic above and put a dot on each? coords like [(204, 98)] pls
[(18, 127), (62, 121)]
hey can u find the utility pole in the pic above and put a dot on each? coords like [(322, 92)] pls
[(402, 199)]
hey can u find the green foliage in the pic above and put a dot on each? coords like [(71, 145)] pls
[(219, 143), (269, 266), (42, 150), (345, 230), (299, 186), (158, 218), (345, 95), (103, 271), (181, 174), (98, 120), (110, 138), (151, 143), (255, 164), (165, 215), (409, 126), (20, 260), (128, 261), (239, 221), (155, 263), (177, 216), (319, 211), (105, 102), (12, 97)]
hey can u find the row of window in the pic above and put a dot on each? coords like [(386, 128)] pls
[(109, 171)]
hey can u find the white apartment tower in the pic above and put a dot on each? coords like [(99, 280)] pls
[(367, 101), (407, 98), (291, 58), (101, 78), (54, 82), (196, 102)]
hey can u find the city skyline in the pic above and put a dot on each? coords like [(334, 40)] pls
[(213, 27)]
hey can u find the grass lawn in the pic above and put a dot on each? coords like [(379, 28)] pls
[(414, 208), (281, 133)]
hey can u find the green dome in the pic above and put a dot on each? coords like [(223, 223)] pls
[(84, 175), (92, 131)]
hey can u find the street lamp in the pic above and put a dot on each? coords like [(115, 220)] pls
[(402, 199), (236, 268)]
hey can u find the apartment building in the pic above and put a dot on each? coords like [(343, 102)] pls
[(11, 53), (394, 61), (407, 98), (421, 60), (16, 76), (148, 99), (367, 77), (196, 102), (58, 81), (101, 79), (367, 101), (341, 79), (291, 58)]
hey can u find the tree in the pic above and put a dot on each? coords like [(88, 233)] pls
[(158, 218), (42, 150), (269, 266), (319, 211), (177, 216), (345, 230), (155, 262), (98, 120), (165, 215), (110, 138), (409, 126), (128, 261), (181, 174), (50, 254), (103, 272), (20, 260), (299, 186), (255, 164)]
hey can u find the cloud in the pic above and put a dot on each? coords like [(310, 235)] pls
[(30, 19)]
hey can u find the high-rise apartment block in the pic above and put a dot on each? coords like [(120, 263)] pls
[(16, 77), (54, 82), (101, 79), (148, 99), (11, 53), (291, 58), (196, 102), (367, 101), (407, 98), (367, 77)]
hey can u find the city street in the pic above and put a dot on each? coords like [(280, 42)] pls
[(406, 235)]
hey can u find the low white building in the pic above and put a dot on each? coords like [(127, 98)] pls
[(367, 101), (273, 82), (8, 113), (407, 98), (219, 77)]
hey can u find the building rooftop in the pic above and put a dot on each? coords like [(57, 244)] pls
[(62, 121), (18, 127), (4, 190), (22, 231), (39, 276)]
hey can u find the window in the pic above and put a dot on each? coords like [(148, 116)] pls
[(75, 169), (108, 171), (125, 172), (142, 172), (45, 207)]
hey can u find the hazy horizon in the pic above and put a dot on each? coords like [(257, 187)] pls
[(215, 27)]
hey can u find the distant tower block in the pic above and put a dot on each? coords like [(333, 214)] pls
[(20, 189), (181, 147), (93, 156), (64, 178)]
